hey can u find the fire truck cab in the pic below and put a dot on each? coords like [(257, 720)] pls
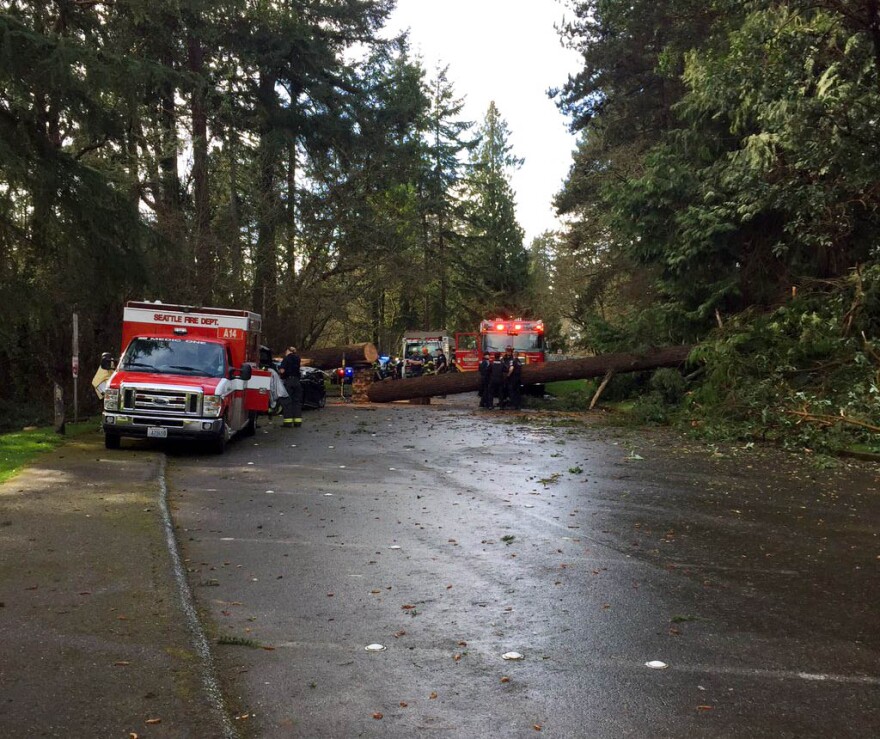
[(186, 372), (525, 336)]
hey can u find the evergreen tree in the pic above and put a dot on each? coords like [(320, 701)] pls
[(492, 270), (442, 209)]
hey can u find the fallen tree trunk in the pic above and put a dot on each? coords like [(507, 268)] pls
[(337, 356), (532, 374)]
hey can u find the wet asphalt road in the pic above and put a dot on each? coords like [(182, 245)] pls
[(452, 536)]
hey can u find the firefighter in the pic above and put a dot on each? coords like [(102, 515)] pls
[(417, 363), (440, 364), (496, 381), (483, 369), (289, 371), (514, 382), (507, 359)]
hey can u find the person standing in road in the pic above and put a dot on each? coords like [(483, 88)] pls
[(496, 381), (507, 359), (289, 371), (514, 382), (483, 369), (440, 363)]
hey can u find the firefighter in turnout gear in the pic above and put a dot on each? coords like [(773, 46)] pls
[(289, 371)]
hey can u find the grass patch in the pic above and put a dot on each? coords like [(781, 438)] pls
[(22, 447)]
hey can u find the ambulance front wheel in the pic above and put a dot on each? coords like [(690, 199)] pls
[(111, 441), (218, 445)]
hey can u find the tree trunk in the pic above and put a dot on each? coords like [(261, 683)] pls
[(203, 243), (333, 357), (265, 282), (532, 374)]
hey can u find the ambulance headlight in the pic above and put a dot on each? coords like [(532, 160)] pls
[(213, 405), (111, 399)]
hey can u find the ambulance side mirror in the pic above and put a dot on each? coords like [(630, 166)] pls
[(244, 374), (107, 361)]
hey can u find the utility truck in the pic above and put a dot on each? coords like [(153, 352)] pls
[(415, 341), (186, 372)]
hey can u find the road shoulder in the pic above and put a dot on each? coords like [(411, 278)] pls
[(93, 639)]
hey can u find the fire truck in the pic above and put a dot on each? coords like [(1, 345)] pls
[(496, 335), (186, 372)]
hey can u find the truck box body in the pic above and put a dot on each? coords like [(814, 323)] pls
[(414, 341), (186, 372)]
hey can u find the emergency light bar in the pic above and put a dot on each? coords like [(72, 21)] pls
[(514, 327)]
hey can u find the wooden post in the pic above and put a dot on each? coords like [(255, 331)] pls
[(608, 375)]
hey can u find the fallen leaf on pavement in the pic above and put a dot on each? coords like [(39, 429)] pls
[(377, 715), (153, 721), (433, 696)]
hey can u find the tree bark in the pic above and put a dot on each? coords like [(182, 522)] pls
[(333, 357), (532, 374)]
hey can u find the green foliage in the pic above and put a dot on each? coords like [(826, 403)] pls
[(806, 374), (730, 152), (658, 402), (668, 384)]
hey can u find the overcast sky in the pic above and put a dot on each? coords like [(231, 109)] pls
[(507, 51)]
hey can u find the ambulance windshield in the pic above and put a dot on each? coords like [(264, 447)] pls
[(175, 357)]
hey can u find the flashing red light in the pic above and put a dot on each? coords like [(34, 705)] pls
[(499, 327), (517, 327)]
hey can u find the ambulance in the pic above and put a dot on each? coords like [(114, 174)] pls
[(186, 372)]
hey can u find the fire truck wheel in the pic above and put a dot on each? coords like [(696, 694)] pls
[(111, 441)]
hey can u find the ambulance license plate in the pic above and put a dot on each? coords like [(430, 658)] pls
[(157, 432)]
